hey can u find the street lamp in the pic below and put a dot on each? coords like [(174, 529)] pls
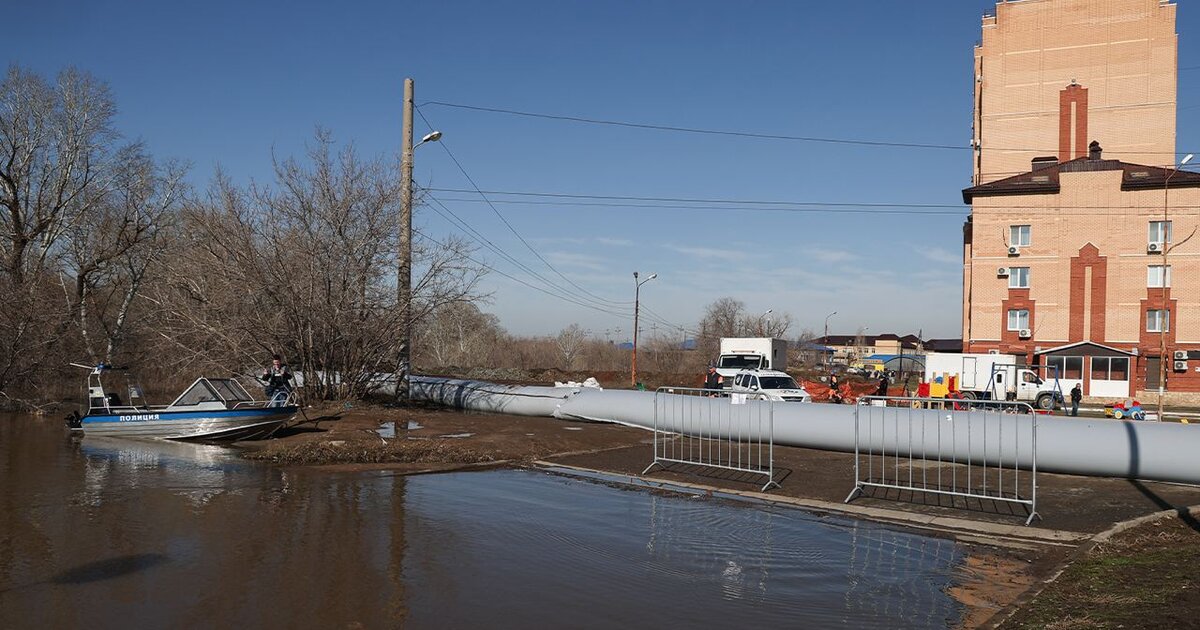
[(825, 341), (761, 329), (1163, 323), (404, 240), (637, 289)]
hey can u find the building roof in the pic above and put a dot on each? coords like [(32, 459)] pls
[(907, 341), (1084, 348), (944, 345), (1044, 178)]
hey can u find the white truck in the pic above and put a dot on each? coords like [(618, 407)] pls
[(990, 376), (756, 353), (770, 385)]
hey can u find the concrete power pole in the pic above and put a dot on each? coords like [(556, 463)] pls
[(404, 255)]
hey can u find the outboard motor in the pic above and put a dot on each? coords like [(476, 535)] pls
[(74, 421)]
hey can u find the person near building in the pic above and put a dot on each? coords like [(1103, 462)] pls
[(1076, 396), (883, 385), (277, 378)]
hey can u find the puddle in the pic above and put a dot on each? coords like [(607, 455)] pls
[(573, 428), (499, 548), (387, 430), (457, 435), (582, 546)]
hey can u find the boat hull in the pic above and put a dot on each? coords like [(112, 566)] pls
[(241, 424)]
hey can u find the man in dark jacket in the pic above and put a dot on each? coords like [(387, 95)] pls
[(712, 380), (1076, 396), (277, 379), (883, 385)]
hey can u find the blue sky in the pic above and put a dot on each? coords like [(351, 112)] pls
[(225, 83)]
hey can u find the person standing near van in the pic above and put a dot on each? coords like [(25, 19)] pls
[(1076, 396)]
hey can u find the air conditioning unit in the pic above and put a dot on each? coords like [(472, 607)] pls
[(1181, 366), (1013, 250), (993, 351), (1154, 248), (1002, 272), (1025, 333), (1181, 355)]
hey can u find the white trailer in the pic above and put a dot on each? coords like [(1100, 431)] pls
[(750, 353), (992, 376)]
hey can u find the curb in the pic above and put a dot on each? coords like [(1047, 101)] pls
[(996, 534)]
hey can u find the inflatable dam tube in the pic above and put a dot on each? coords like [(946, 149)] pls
[(518, 400), (1095, 447)]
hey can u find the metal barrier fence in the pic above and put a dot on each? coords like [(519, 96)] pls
[(980, 449), (729, 431)]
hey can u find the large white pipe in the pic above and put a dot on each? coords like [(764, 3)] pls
[(1106, 448)]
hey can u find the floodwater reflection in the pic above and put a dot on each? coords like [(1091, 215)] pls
[(104, 533)]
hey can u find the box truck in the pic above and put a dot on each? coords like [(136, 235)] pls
[(756, 353), (990, 376)]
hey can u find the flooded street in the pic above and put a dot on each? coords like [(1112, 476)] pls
[(108, 533)]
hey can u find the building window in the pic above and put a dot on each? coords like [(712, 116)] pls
[(1018, 235), (1069, 368), (1160, 232), (1018, 277), (1158, 320), (1110, 368), (1158, 276), (1018, 318)]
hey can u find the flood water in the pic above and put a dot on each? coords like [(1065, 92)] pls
[(109, 533)]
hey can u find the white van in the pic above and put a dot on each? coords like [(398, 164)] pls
[(772, 384)]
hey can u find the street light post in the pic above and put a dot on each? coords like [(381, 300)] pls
[(404, 243), (637, 289), (1164, 323), (762, 330), (825, 341)]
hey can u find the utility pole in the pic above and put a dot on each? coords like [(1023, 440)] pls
[(637, 288), (1165, 322), (404, 242)]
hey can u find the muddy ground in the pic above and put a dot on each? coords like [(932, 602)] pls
[(347, 438)]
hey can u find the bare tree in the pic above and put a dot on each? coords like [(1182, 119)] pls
[(776, 326), (458, 334), (306, 268), (570, 342), (57, 145), (112, 247)]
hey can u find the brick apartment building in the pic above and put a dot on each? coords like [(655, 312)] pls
[(1068, 260)]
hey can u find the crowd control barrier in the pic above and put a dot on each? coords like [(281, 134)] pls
[(715, 429), (989, 454)]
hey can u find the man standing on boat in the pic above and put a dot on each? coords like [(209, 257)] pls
[(277, 379)]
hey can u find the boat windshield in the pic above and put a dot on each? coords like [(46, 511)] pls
[(222, 390), (229, 389), (199, 392)]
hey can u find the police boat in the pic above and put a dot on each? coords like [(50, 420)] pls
[(209, 409)]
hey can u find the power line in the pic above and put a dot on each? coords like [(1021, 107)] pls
[(735, 205), (746, 134), (475, 235), (509, 225), (565, 298)]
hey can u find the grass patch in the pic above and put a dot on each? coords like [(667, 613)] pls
[(1142, 578), (372, 452)]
